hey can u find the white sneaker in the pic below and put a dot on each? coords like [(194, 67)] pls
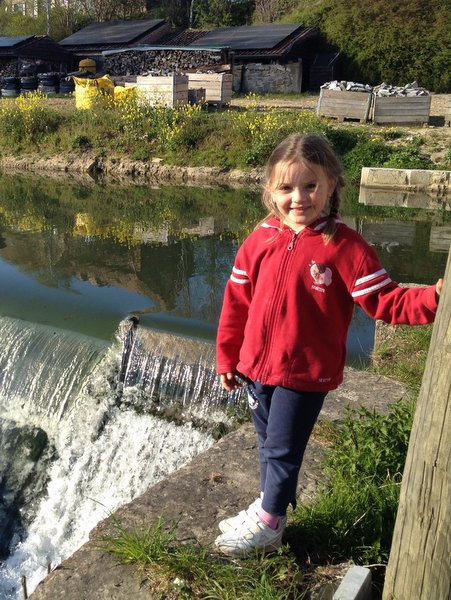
[(252, 534), (227, 525)]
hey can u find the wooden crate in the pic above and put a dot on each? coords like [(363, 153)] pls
[(344, 105), (218, 86), (400, 109), (171, 90)]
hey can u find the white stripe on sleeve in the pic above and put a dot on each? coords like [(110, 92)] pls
[(236, 280), (372, 288), (370, 277)]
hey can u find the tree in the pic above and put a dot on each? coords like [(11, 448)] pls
[(269, 11), (221, 13), (369, 33), (418, 566), (108, 10)]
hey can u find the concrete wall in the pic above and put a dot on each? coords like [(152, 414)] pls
[(267, 78)]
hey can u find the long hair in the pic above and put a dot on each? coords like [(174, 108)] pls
[(301, 149)]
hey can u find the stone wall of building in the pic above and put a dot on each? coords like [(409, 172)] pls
[(267, 78)]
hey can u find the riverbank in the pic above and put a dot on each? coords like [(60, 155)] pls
[(227, 147)]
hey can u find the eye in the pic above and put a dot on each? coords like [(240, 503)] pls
[(284, 188), (311, 186)]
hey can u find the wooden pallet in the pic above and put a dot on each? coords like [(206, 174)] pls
[(171, 90), (218, 86), (401, 109), (344, 105)]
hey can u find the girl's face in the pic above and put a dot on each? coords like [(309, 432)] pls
[(300, 192)]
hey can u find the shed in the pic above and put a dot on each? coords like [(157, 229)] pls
[(32, 54), (96, 38), (266, 58)]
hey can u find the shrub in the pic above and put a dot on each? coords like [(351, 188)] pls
[(353, 515), (26, 117)]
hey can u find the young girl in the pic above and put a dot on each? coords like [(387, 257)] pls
[(286, 313)]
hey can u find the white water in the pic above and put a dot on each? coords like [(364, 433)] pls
[(106, 455)]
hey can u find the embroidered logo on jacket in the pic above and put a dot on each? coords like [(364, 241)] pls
[(322, 275)]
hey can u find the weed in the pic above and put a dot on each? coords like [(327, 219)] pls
[(179, 570), (353, 514)]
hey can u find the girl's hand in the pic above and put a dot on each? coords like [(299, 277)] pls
[(229, 382), (438, 287)]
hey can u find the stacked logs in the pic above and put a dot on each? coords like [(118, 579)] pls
[(159, 62)]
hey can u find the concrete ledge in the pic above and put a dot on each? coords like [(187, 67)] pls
[(356, 585), (413, 180)]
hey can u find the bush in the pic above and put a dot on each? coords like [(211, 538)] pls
[(26, 117)]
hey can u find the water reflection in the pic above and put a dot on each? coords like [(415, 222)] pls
[(82, 257)]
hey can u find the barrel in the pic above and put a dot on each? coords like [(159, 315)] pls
[(48, 83), (10, 87), (28, 84), (67, 85)]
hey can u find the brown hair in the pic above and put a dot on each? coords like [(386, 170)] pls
[(300, 149)]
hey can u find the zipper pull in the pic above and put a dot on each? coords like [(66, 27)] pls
[(292, 241)]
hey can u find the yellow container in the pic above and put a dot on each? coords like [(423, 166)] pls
[(92, 92)]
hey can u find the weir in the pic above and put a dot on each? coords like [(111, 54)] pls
[(162, 370), (83, 420)]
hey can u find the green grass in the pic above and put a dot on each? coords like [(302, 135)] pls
[(402, 354), (176, 570)]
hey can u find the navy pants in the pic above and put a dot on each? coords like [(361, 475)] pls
[(284, 419)]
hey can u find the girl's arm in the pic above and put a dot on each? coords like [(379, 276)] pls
[(232, 321), (383, 299)]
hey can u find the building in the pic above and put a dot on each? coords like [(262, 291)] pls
[(32, 54)]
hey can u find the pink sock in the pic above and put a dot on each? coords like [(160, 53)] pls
[(267, 518)]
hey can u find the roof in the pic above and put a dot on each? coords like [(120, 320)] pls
[(33, 47), (11, 41), (248, 37), (112, 32)]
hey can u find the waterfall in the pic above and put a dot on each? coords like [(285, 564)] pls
[(88, 416), (164, 373)]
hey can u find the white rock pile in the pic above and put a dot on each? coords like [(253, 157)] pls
[(346, 86), (383, 89), (410, 89)]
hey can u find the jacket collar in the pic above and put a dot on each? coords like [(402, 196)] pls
[(316, 226)]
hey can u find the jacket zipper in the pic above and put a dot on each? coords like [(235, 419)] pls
[(293, 240), (277, 301)]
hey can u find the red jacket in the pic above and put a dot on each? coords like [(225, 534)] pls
[(289, 301)]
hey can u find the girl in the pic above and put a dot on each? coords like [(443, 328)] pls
[(284, 321)]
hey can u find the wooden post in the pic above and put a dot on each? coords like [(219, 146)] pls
[(419, 563)]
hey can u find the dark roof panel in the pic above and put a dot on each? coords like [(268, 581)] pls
[(247, 37), (112, 32), (11, 41)]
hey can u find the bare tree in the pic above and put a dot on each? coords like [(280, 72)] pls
[(266, 11), (107, 10)]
